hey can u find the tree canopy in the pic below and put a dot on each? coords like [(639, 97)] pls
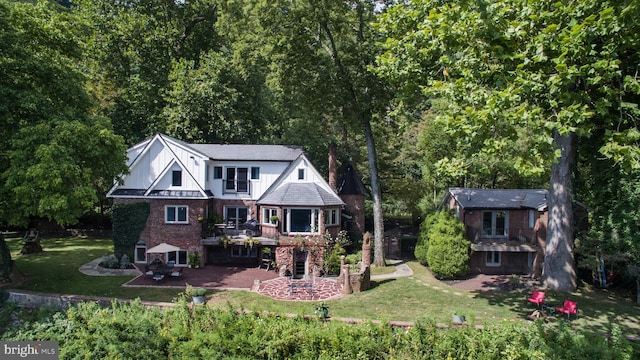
[(56, 156), (524, 81)]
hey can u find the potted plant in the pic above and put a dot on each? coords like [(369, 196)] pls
[(194, 259), (274, 220), (226, 240), (251, 241), (458, 319), (322, 310), (197, 294)]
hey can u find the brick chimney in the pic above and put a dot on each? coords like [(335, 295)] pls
[(333, 167)]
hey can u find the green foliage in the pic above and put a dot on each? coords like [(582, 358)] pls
[(422, 245), (58, 156), (132, 330), (128, 222), (5, 260), (448, 249)]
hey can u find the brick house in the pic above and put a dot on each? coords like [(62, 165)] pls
[(506, 227), (231, 202)]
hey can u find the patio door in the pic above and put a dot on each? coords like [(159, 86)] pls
[(300, 264)]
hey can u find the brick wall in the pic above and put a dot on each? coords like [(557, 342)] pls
[(186, 236)]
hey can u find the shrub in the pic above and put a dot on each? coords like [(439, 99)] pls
[(132, 331), (125, 262), (110, 262), (448, 253), (422, 245)]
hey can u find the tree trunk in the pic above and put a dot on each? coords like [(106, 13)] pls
[(376, 195), (559, 267)]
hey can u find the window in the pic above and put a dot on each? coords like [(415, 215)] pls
[(177, 257), (237, 179), (255, 173), (206, 173), (331, 217), (267, 214), (217, 172), (176, 179), (244, 251), (176, 214), (141, 252), (236, 216), (300, 174), (494, 223), (532, 219), (493, 258), (301, 220)]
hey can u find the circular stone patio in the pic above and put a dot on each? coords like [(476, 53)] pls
[(283, 288)]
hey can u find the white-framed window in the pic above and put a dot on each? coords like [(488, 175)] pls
[(301, 220), (176, 214), (141, 252), (236, 216), (177, 257), (217, 172), (244, 251), (255, 173), (237, 179), (176, 178), (495, 223), (267, 214), (331, 217), (493, 258), (300, 174)]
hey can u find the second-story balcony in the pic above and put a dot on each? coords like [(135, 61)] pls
[(512, 235)]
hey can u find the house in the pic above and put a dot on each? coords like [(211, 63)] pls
[(221, 200), (506, 227)]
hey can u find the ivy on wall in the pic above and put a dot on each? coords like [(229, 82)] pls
[(5, 261), (128, 222)]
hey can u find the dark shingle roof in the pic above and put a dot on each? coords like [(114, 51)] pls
[(249, 152), (500, 198), (300, 194)]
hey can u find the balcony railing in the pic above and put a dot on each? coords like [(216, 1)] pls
[(525, 236)]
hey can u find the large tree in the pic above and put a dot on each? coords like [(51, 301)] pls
[(528, 78), (55, 155), (320, 53)]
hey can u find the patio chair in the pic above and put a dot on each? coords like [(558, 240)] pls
[(569, 308), (176, 272), (148, 271), (537, 297)]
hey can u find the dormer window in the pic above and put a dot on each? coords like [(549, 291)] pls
[(176, 179), (237, 180), (300, 174)]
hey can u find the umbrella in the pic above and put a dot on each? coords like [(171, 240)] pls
[(162, 249)]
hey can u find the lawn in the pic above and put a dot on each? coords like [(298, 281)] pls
[(403, 299)]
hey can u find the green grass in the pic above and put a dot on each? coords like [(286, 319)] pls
[(402, 299)]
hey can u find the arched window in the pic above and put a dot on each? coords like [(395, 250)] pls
[(141, 252)]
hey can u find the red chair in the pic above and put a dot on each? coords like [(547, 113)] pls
[(537, 297), (569, 308)]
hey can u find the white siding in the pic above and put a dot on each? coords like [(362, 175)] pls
[(269, 173)]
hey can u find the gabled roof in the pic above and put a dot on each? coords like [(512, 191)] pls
[(499, 198), (349, 183), (300, 194)]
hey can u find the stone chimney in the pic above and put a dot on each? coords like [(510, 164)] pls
[(333, 167)]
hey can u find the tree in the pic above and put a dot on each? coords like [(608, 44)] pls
[(530, 79), (55, 155), (320, 52)]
